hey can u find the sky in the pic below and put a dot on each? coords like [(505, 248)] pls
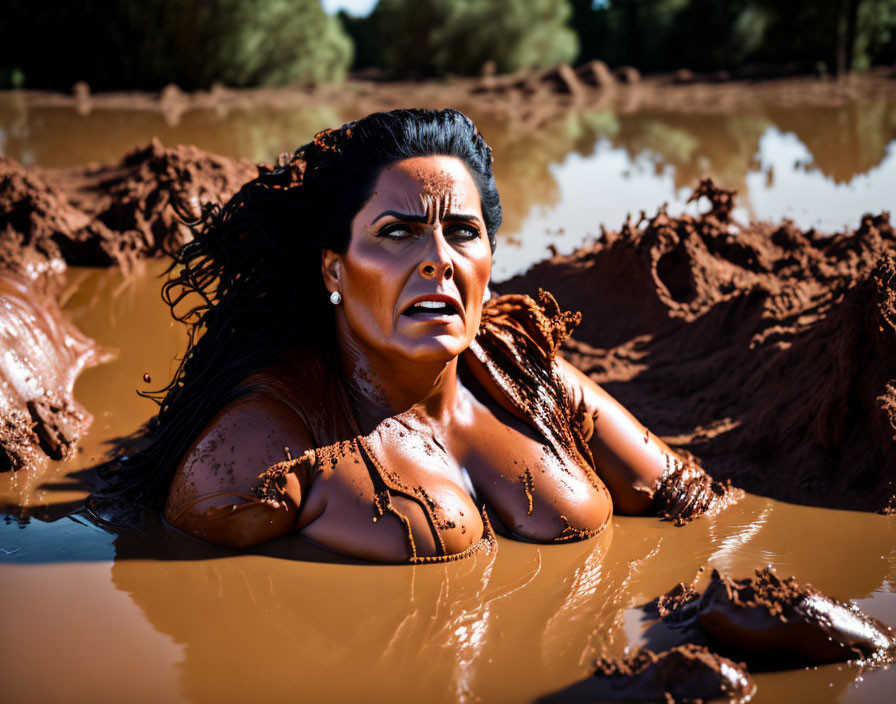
[(353, 7)]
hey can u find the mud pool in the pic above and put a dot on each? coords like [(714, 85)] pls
[(90, 615)]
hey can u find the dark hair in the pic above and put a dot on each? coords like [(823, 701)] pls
[(250, 279)]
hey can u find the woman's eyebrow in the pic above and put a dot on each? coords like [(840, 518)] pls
[(407, 217), (461, 216)]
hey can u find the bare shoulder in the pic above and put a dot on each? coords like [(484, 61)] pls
[(241, 441)]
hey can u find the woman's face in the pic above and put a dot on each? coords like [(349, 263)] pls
[(417, 265)]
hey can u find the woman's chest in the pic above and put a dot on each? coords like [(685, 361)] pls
[(394, 494), (538, 490), (411, 489)]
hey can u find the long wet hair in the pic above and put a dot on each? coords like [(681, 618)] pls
[(249, 283)]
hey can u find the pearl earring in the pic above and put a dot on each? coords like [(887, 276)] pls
[(335, 298), (486, 295)]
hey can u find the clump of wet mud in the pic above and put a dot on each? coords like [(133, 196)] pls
[(765, 621), (685, 492), (765, 614), (685, 673), (767, 351), (113, 214), (774, 622), (41, 355)]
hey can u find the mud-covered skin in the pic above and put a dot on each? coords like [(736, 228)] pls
[(41, 355), (686, 491), (404, 491), (766, 614), (686, 673), (452, 402)]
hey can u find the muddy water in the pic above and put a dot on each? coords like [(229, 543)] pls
[(91, 615), (560, 180)]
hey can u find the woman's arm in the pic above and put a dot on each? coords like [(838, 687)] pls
[(211, 496), (629, 458)]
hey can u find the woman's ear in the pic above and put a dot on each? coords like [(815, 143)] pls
[(330, 269)]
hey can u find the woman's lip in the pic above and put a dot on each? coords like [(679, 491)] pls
[(438, 298)]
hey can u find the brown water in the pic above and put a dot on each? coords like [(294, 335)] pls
[(90, 615), (563, 176)]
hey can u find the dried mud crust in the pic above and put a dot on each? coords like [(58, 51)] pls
[(686, 673), (102, 215), (764, 616), (767, 351)]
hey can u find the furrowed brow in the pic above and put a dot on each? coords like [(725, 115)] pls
[(461, 216), (407, 217)]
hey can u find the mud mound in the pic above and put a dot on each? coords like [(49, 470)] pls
[(768, 352), (772, 622), (685, 673), (116, 214)]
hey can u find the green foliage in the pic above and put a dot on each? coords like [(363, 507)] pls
[(706, 35), (439, 37), (194, 43), (876, 33)]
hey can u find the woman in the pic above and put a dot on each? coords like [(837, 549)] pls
[(350, 378)]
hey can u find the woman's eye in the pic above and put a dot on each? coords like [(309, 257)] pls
[(396, 232), (464, 232)]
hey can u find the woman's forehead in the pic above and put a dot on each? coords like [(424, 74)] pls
[(418, 182)]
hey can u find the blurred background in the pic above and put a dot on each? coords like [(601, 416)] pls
[(121, 44), (791, 103)]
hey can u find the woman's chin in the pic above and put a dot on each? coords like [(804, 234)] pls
[(432, 348)]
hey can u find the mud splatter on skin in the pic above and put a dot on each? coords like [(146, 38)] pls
[(436, 193), (518, 352), (282, 485), (529, 488)]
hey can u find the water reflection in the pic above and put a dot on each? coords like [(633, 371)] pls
[(564, 174), (256, 625)]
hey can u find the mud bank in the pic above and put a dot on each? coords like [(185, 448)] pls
[(768, 352), (518, 96), (113, 214)]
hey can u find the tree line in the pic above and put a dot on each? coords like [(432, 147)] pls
[(120, 44)]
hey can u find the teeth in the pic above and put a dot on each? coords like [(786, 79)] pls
[(431, 304)]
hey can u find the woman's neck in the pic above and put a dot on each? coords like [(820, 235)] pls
[(380, 388)]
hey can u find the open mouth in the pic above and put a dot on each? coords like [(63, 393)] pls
[(431, 308)]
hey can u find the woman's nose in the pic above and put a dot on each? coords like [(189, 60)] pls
[(436, 260), (436, 270)]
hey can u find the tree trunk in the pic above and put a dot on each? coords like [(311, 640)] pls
[(847, 20)]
